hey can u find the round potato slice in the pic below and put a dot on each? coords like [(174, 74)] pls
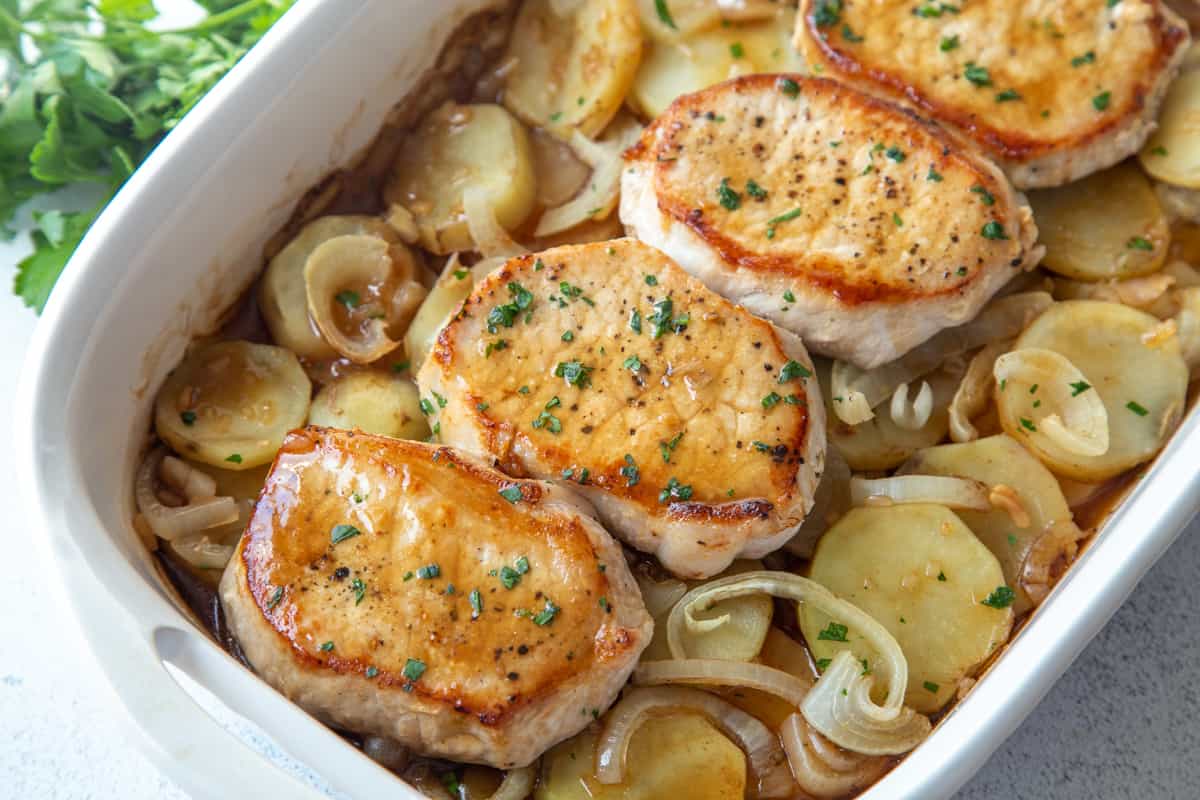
[(921, 573), (680, 755), (455, 148), (372, 402), (1172, 153), (282, 296), (1032, 525), (1108, 225), (681, 66), (1139, 374), (230, 404), (573, 72)]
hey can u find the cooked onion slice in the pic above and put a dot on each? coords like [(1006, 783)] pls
[(840, 704), (1003, 318), (186, 479), (1187, 325), (599, 195), (201, 552), (959, 493), (716, 672), (912, 416), (765, 758), (336, 267), (491, 240), (517, 784), (1073, 421), (971, 397), (820, 767), (1143, 292), (182, 521)]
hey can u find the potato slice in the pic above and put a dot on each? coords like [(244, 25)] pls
[(282, 297), (452, 287), (372, 402), (1141, 378), (679, 755), (230, 404), (880, 443), (921, 573), (457, 147), (573, 72), (1108, 225), (674, 68), (1037, 506), (1172, 153)]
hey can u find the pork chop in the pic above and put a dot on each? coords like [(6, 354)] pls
[(403, 589), (685, 420), (843, 218), (1053, 89)]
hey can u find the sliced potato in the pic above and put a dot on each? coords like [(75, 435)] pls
[(921, 573), (880, 443), (674, 68), (455, 148), (282, 297), (783, 653), (679, 755), (452, 287), (1035, 504), (573, 72), (372, 402), (1172, 154), (230, 404), (1140, 376), (1108, 225)]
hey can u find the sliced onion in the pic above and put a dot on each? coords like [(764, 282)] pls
[(1002, 318), (517, 784), (1006, 498), (1187, 325), (912, 416), (186, 479), (716, 672), (659, 596), (748, 10), (830, 501), (820, 768), (958, 493), (1141, 292), (971, 397), (386, 752), (1075, 422), (599, 195), (175, 523), (201, 552), (334, 266), (840, 704), (769, 775), (1052, 551), (402, 221), (491, 240)]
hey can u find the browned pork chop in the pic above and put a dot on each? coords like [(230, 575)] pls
[(402, 589)]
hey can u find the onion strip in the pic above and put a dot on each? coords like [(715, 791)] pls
[(718, 672), (840, 704), (334, 266), (175, 523), (912, 416), (599, 195), (971, 397), (769, 775), (957, 493), (1077, 421), (491, 240), (822, 770)]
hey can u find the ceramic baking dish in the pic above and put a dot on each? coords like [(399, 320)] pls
[(178, 244)]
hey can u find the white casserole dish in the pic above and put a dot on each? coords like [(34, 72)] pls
[(180, 242)]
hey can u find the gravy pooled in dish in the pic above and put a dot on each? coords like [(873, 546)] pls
[(514, 466)]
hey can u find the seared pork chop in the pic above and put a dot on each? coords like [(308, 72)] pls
[(695, 429), (404, 589), (843, 218), (1053, 89)]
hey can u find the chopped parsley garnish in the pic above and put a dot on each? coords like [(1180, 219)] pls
[(895, 154), (1101, 101), (987, 197), (792, 370), (630, 472), (605, 605), (1087, 58), (789, 296), (548, 421), (188, 417), (574, 373), (664, 320), (505, 315), (771, 400), (823, 663), (509, 577), (977, 75), (413, 669), (1001, 597), (401, 367), (1159, 150), (1027, 424), (633, 363), (459, 274), (784, 217), (949, 43), (574, 293), (426, 406), (993, 230), (761, 447), (736, 50), (341, 533), (1079, 387), (1137, 408), (789, 87), (896, 220), (348, 298), (941, 576), (755, 191), (666, 448), (441, 401), (1139, 243), (635, 321), (429, 572), (933, 176), (236, 458), (651, 280), (728, 197), (476, 601), (664, 14), (849, 35), (327, 647), (827, 13), (1007, 96), (547, 614), (372, 671), (360, 590), (276, 596), (833, 632), (511, 493), (930, 686), (568, 336), (675, 491)]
